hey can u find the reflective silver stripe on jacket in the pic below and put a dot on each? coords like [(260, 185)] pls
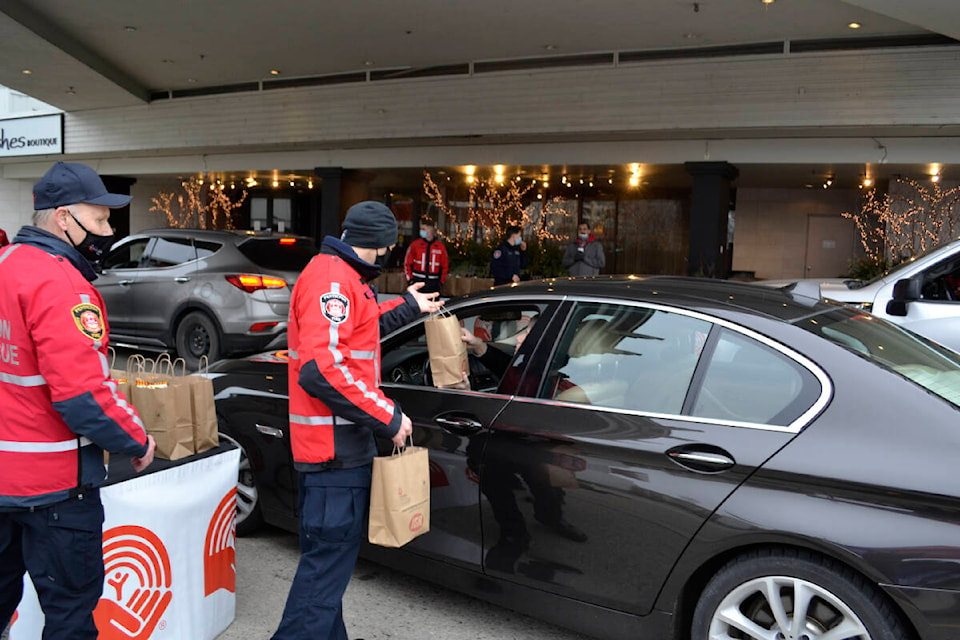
[(6, 254), (9, 446), (293, 355), (311, 420), (363, 355), (23, 381)]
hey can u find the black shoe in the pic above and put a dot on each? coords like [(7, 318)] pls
[(570, 532)]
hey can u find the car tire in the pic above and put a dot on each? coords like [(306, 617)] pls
[(197, 336), (249, 516), (736, 603)]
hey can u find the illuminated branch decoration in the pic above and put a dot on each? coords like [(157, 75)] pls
[(483, 213), (198, 206), (910, 219)]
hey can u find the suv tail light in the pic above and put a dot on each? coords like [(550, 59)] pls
[(251, 283)]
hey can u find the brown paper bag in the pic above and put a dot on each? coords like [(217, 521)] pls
[(448, 353), (202, 412), (166, 412), (205, 425), (399, 497)]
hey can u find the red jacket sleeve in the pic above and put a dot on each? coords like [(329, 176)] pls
[(408, 261), (70, 333), (339, 333)]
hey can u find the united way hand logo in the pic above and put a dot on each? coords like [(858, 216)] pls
[(219, 558), (137, 590)]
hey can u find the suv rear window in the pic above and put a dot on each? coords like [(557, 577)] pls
[(269, 253)]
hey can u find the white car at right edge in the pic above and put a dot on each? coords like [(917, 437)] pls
[(922, 295)]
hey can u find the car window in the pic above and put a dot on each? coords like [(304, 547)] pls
[(205, 248), (626, 357), (405, 357), (279, 254), (942, 281), (126, 256), (169, 252), (925, 363), (748, 381)]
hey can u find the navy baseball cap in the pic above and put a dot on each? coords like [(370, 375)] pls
[(71, 183)]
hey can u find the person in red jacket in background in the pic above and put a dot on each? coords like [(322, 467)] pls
[(3, 238), (60, 409), (426, 260), (336, 408)]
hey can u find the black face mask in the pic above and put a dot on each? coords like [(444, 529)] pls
[(93, 246), (381, 261)]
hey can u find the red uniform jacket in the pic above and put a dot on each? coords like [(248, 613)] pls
[(59, 408), (426, 261), (336, 405)]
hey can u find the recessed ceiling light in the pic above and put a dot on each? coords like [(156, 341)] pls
[(550, 47), (854, 25), (691, 36), (192, 80), (27, 72), (274, 72), (368, 63), (130, 28), (768, 1)]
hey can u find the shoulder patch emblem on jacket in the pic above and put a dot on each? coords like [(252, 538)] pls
[(497, 254), (335, 307), (89, 320)]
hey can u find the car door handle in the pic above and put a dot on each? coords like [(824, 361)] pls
[(181, 279), (459, 425), (267, 430), (125, 283), (704, 458)]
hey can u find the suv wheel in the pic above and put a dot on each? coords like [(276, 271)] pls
[(197, 336)]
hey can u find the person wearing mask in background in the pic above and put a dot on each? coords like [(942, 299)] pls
[(336, 409), (584, 254), (426, 259), (60, 410), (509, 258)]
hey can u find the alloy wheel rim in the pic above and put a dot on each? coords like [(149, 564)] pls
[(784, 608), (246, 488)]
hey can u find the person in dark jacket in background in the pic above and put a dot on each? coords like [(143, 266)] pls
[(336, 408), (509, 258)]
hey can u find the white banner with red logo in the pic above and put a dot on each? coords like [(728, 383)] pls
[(168, 552)]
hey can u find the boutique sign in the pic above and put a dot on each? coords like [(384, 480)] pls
[(33, 136)]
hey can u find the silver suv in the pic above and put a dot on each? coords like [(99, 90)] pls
[(202, 292)]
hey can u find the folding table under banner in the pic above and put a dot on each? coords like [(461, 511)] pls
[(168, 550)]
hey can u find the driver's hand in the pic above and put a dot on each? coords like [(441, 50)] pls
[(406, 429), (474, 344), (463, 385)]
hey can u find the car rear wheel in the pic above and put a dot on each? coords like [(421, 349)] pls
[(792, 595), (249, 517), (197, 336)]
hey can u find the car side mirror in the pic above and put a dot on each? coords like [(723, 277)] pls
[(903, 292)]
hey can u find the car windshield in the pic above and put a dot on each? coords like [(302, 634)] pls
[(931, 366), (279, 254)]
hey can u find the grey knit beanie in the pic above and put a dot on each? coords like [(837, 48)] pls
[(369, 225)]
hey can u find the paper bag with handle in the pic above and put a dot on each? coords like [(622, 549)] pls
[(203, 412), (399, 497), (165, 411), (448, 353), (205, 426)]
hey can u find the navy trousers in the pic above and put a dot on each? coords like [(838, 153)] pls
[(61, 546), (333, 518)]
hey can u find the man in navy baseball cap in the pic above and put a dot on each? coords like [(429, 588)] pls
[(69, 183)]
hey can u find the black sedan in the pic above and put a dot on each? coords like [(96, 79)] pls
[(666, 458)]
